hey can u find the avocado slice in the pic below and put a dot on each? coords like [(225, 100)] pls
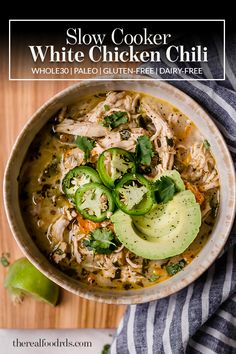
[(166, 231)]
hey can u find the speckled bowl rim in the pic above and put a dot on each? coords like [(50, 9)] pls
[(182, 279)]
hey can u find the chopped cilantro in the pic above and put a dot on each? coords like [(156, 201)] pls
[(153, 277), (101, 241), (172, 269), (144, 151), (206, 144), (106, 107), (114, 120), (164, 189), (85, 144)]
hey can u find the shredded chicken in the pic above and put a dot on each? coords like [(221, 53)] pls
[(68, 212), (206, 210), (56, 230), (119, 249), (163, 137), (129, 275), (131, 263), (122, 101), (59, 252), (172, 119), (96, 114), (90, 129), (114, 140), (200, 168), (62, 113), (89, 125), (72, 158), (74, 237)]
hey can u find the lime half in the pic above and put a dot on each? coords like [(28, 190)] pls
[(24, 279)]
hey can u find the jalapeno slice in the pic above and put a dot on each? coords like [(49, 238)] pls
[(94, 201), (78, 177), (133, 194), (113, 164)]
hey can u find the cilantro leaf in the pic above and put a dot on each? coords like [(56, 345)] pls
[(153, 277), (85, 144), (144, 151), (172, 269), (114, 120), (206, 144), (164, 189), (106, 107), (101, 241)]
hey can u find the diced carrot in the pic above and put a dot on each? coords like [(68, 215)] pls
[(93, 156), (87, 225), (198, 195), (187, 160), (111, 227), (162, 273), (94, 153)]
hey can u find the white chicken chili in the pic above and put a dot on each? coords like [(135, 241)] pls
[(120, 190)]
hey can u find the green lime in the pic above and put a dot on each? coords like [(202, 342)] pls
[(24, 279)]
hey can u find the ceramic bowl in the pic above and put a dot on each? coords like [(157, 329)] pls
[(227, 191)]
